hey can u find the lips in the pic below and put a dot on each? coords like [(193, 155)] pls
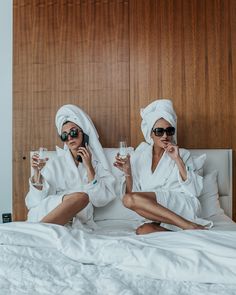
[(72, 142)]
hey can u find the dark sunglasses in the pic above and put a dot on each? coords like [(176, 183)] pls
[(160, 131), (74, 133)]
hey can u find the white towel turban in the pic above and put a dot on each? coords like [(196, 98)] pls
[(160, 108), (76, 115)]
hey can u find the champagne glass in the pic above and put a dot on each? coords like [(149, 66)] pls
[(123, 151), (42, 159)]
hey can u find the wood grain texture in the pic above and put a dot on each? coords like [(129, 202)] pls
[(185, 50), (67, 52), (114, 57)]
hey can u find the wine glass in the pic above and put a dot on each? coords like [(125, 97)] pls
[(41, 163), (123, 152)]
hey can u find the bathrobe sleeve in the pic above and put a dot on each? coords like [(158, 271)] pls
[(101, 189), (35, 197), (194, 183), (136, 166)]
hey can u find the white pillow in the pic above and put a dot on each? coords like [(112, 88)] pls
[(209, 197), (115, 209), (198, 163)]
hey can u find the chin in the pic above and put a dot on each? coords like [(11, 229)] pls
[(74, 147)]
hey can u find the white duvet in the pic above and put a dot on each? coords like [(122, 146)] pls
[(195, 256)]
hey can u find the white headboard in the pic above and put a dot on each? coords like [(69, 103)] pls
[(220, 160)]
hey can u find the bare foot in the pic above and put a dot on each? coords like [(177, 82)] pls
[(148, 228), (193, 225)]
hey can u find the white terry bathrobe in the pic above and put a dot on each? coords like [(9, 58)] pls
[(61, 175), (171, 191)]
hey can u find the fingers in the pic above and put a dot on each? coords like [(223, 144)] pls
[(84, 153), (124, 160), (35, 161), (122, 164), (169, 149), (84, 150), (118, 166), (88, 149)]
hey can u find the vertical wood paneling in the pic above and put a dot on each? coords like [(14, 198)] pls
[(185, 50), (67, 51), (114, 57)]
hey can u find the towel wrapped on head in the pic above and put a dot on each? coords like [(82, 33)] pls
[(160, 108), (73, 113)]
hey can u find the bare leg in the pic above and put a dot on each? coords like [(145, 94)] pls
[(145, 204), (70, 206)]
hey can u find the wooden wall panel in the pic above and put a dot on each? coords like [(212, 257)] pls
[(114, 57), (185, 50), (67, 51)]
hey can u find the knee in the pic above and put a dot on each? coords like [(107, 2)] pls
[(78, 198), (129, 200), (84, 198)]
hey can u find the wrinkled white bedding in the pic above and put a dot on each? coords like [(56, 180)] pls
[(50, 259)]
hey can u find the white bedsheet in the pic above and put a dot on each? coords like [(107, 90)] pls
[(50, 259)]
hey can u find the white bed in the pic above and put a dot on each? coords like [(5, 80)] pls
[(51, 259)]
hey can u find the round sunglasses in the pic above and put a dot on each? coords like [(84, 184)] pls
[(170, 131), (74, 133)]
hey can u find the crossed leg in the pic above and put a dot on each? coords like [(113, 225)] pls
[(146, 205), (70, 206)]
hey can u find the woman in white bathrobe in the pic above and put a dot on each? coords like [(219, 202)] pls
[(71, 185), (162, 183)]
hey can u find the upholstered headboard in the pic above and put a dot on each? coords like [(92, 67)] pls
[(220, 160)]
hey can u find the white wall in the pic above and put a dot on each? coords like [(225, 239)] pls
[(6, 106)]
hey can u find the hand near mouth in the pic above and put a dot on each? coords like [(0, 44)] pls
[(172, 150), (165, 143)]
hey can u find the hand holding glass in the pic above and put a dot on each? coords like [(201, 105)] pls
[(123, 156), (41, 161)]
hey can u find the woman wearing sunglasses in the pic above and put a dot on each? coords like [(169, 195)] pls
[(162, 183), (77, 179)]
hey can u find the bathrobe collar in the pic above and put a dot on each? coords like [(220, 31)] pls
[(161, 172)]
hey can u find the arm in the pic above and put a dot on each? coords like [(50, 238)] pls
[(182, 168), (37, 177), (35, 196), (188, 177), (125, 166), (173, 151), (86, 155), (101, 189), (37, 193), (194, 182)]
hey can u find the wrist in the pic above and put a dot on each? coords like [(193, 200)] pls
[(90, 169), (178, 160), (127, 175)]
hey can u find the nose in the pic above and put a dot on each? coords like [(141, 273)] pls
[(69, 137), (164, 134)]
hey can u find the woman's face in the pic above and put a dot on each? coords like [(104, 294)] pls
[(73, 143), (164, 139)]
